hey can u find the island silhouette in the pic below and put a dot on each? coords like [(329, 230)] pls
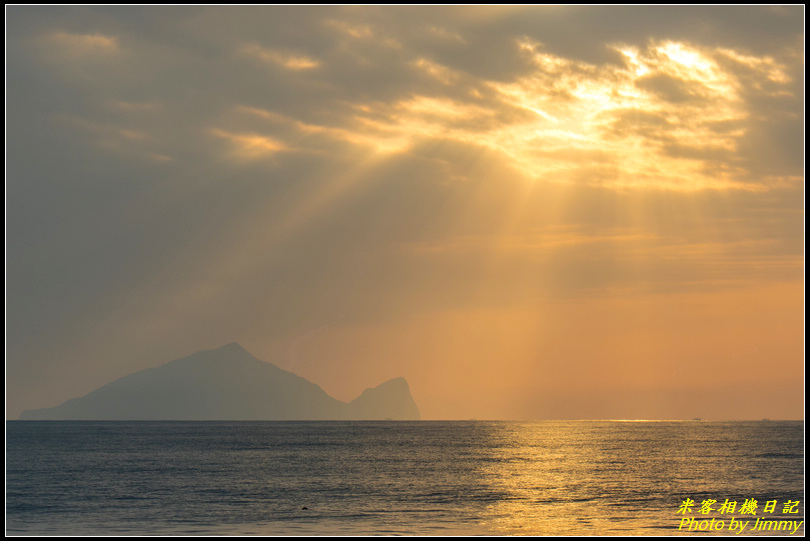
[(227, 384)]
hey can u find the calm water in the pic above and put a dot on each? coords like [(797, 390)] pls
[(413, 478)]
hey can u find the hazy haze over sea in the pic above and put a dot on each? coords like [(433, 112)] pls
[(527, 212)]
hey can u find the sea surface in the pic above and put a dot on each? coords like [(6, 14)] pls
[(401, 478)]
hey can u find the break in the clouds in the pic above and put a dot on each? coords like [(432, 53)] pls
[(528, 212)]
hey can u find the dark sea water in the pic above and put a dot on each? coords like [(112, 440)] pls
[(398, 478)]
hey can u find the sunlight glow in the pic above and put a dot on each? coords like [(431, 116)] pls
[(665, 118)]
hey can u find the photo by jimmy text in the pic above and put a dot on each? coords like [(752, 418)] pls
[(737, 525)]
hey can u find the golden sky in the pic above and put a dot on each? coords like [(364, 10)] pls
[(527, 212)]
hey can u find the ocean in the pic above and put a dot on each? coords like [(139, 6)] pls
[(404, 478)]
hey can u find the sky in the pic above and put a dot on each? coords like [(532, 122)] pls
[(527, 212)]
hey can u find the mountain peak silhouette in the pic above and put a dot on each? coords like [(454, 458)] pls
[(227, 383)]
